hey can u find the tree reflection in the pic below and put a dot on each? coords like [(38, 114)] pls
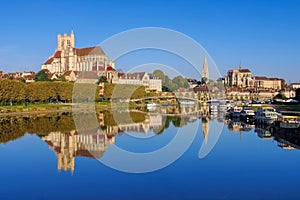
[(69, 140)]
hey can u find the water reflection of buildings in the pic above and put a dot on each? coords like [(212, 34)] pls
[(288, 139), (93, 143), (151, 122), (69, 145), (238, 126), (205, 128), (185, 110)]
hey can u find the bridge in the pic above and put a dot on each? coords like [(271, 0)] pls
[(164, 97)]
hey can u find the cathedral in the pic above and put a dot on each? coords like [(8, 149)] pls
[(68, 58)]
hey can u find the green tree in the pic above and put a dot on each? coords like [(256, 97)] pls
[(11, 91), (62, 78), (102, 79), (159, 74), (41, 76), (180, 82)]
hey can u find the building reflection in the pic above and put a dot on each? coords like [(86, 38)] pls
[(67, 146), (288, 141), (285, 139), (94, 143), (205, 128)]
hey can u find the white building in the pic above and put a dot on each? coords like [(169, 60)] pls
[(295, 85), (68, 58), (140, 78)]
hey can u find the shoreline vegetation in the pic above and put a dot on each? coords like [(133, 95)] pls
[(99, 106), (47, 108)]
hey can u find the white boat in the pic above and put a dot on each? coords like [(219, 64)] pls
[(266, 115), (247, 113), (289, 122), (189, 103), (235, 112), (151, 105), (214, 106)]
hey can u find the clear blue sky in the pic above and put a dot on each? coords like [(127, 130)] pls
[(263, 34)]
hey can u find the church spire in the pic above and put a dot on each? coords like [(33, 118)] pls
[(205, 75)]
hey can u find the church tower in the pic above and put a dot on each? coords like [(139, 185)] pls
[(205, 75), (205, 128), (65, 41)]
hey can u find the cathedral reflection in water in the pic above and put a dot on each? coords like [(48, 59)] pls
[(93, 143)]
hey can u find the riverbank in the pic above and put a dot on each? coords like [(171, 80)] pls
[(45, 108)]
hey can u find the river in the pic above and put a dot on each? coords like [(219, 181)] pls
[(140, 155)]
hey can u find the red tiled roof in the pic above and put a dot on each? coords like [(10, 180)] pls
[(68, 73), (49, 61), (260, 78), (201, 88), (57, 54), (89, 50), (244, 70), (109, 68)]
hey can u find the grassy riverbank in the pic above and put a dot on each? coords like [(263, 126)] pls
[(43, 107)]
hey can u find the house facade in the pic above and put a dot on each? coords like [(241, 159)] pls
[(150, 82)]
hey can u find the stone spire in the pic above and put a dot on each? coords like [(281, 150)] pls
[(205, 128), (205, 75)]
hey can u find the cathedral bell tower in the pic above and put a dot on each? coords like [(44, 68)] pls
[(65, 42)]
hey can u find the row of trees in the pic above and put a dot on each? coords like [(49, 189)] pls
[(171, 84), (12, 92), (14, 127)]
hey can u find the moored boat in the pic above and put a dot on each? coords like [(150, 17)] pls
[(151, 106), (266, 115), (235, 112), (247, 113)]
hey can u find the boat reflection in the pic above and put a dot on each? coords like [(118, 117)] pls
[(286, 138)]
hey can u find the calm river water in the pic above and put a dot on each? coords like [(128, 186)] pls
[(51, 157)]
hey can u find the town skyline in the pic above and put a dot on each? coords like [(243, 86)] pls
[(230, 32)]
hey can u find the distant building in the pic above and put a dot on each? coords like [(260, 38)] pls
[(28, 77), (298, 94), (140, 78), (205, 73), (68, 58), (262, 82), (71, 76), (192, 82), (239, 78), (202, 92), (295, 85)]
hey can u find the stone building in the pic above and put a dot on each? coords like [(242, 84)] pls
[(262, 82), (239, 77), (68, 58), (150, 82)]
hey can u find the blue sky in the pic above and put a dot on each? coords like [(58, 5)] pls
[(264, 35)]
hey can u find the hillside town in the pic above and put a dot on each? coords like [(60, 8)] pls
[(90, 64)]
